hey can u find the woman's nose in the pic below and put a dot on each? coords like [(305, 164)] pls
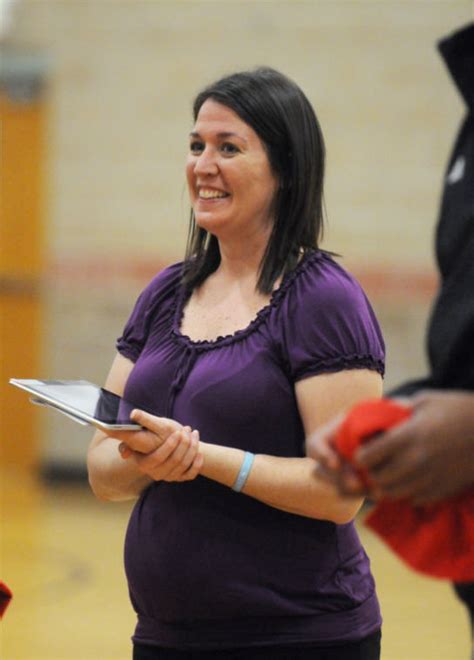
[(206, 163)]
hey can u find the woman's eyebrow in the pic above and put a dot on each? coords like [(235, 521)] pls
[(222, 136)]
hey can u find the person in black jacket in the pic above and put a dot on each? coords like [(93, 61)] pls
[(451, 329), (431, 456)]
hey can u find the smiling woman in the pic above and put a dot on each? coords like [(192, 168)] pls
[(231, 184), (235, 549), (272, 125)]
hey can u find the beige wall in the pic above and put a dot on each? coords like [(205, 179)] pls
[(122, 77)]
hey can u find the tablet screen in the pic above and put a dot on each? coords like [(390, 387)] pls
[(83, 399)]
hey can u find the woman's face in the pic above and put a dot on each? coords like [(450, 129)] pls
[(231, 184)]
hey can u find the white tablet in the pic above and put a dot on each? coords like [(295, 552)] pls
[(82, 401)]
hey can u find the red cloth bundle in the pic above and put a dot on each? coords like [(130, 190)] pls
[(436, 539), (5, 598)]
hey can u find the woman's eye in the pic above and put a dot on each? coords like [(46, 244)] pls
[(229, 149), (196, 147)]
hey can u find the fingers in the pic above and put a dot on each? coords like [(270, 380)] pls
[(320, 445), (417, 489), (184, 458), (124, 450), (397, 464), (381, 449), (142, 441), (156, 430), (164, 450), (330, 467), (404, 401), (350, 482), (418, 460), (194, 469), (161, 426), (345, 480), (177, 459)]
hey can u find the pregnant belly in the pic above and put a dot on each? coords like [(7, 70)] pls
[(187, 561)]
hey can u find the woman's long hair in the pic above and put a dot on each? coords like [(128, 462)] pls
[(283, 118)]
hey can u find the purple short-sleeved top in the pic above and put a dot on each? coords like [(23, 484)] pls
[(211, 568)]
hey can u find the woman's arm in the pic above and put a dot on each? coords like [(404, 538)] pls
[(113, 478), (288, 484), (291, 484), (110, 477)]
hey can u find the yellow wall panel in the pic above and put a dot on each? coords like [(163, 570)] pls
[(22, 152), (20, 323), (21, 256)]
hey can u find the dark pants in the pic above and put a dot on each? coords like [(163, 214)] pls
[(366, 649), (465, 591)]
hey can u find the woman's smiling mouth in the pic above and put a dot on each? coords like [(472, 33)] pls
[(210, 193)]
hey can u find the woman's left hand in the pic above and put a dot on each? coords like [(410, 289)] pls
[(163, 450)]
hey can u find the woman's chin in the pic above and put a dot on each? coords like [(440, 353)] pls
[(209, 222)]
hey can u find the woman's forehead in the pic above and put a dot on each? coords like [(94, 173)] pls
[(220, 119)]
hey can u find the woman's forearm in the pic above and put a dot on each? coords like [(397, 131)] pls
[(288, 484), (112, 478), (169, 453)]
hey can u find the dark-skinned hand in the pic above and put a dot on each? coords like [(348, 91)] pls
[(426, 459)]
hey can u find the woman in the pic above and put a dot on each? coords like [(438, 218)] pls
[(234, 549)]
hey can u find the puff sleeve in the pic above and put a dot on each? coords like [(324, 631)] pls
[(328, 324), (153, 307)]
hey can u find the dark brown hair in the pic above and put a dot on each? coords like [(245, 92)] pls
[(283, 118)]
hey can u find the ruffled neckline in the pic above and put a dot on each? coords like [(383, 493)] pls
[(224, 340)]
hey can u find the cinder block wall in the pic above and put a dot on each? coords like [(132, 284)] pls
[(122, 77)]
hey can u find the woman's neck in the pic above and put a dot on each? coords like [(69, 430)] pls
[(243, 259)]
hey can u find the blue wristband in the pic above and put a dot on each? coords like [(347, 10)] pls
[(244, 472)]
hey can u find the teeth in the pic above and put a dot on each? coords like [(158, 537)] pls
[(211, 194)]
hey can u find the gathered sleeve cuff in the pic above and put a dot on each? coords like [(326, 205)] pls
[(329, 324)]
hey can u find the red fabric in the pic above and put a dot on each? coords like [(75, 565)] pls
[(437, 539), (5, 598), (365, 421)]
